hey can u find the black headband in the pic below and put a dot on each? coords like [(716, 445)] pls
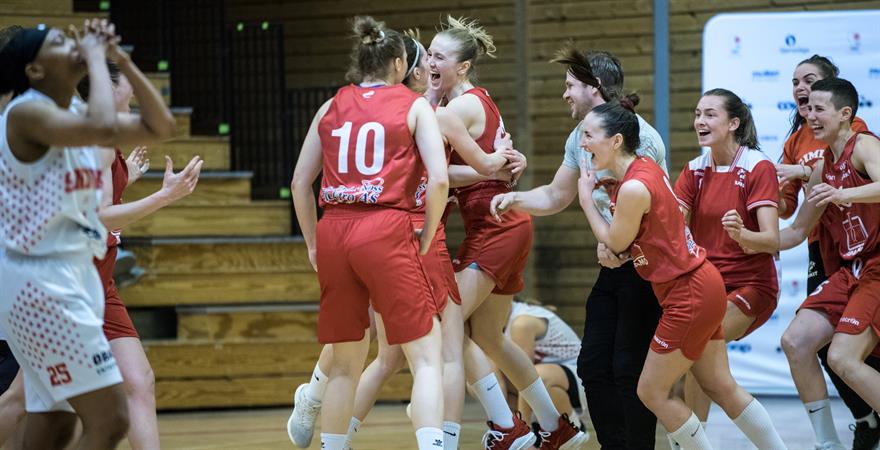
[(21, 50)]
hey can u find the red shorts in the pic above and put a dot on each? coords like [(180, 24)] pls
[(863, 308), (438, 266), (117, 323), (755, 301), (693, 309), (370, 255), (499, 249)]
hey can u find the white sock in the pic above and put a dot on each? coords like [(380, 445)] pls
[(451, 432), (691, 435), (672, 444), (317, 384), (871, 419), (538, 398), (819, 413), (755, 423), (353, 427), (429, 438), (490, 396), (332, 441)]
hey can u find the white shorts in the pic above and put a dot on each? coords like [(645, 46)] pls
[(52, 310)]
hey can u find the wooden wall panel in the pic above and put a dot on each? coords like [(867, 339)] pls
[(563, 253)]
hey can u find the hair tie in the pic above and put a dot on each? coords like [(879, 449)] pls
[(415, 62)]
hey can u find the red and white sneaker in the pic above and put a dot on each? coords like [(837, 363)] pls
[(517, 437), (565, 437)]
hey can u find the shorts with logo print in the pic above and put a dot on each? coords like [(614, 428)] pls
[(52, 310), (693, 308), (863, 308), (754, 301)]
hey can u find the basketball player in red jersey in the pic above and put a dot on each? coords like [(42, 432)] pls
[(373, 140), (844, 309), (491, 259), (51, 169), (390, 359), (800, 154), (729, 198), (137, 375), (647, 223)]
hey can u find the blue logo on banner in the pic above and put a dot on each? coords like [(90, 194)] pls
[(855, 42), (785, 105), (874, 72), (736, 45), (865, 102), (739, 347), (768, 138), (791, 45), (765, 75)]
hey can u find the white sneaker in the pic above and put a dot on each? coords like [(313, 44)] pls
[(830, 446), (301, 424)]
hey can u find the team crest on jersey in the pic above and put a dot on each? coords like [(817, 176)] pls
[(368, 192), (638, 257), (420, 191), (740, 178)]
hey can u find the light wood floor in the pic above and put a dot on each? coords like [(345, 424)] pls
[(388, 428)]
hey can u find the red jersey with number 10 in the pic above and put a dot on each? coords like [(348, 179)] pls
[(663, 249), (370, 155), (850, 225)]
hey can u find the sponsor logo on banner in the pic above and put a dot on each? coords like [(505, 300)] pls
[(764, 138), (785, 105), (865, 102), (874, 72), (855, 42), (737, 41), (740, 347), (791, 45), (765, 75)]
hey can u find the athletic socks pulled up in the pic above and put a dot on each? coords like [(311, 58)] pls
[(822, 421), (333, 441), (538, 398), (489, 394), (451, 434), (755, 423), (691, 435), (429, 438), (317, 385)]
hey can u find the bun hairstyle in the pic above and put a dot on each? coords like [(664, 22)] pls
[(375, 46), (472, 39), (630, 101), (619, 119), (746, 135), (827, 69)]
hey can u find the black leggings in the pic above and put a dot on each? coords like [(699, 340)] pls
[(622, 315), (857, 406), (8, 367)]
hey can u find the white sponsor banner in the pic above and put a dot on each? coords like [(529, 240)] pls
[(754, 55)]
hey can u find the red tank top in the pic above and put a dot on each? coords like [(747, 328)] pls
[(370, 155), (105, 266), (486, 141), (663, 249), (849, 225)]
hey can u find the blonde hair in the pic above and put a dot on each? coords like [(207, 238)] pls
[(472, 39)]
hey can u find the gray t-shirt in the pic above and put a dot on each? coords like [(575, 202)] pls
[(651, 146)]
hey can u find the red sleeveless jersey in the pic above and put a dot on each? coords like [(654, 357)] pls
[(849, 225), (663, 249), (486, 141), (119, 172), (370, 155)]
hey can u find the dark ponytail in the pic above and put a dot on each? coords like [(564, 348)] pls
[(746, 135), (619, 119), (374, 48)]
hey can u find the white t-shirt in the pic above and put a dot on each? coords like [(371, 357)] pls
[(559, 345)]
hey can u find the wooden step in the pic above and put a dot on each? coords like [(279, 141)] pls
[(37, 7), (248, 392), (252, 219), (217, 271), (214, 188), (254, 373), (245, 323), (213, 149), (49, 19), (162, 82), (182, 118)]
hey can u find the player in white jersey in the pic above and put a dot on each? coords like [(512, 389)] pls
[(51, 304), (554, 348)]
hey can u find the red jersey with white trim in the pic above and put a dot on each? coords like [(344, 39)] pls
[(850, 226), (50, 206), (370, 155), (663, 249), (709, 191)]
